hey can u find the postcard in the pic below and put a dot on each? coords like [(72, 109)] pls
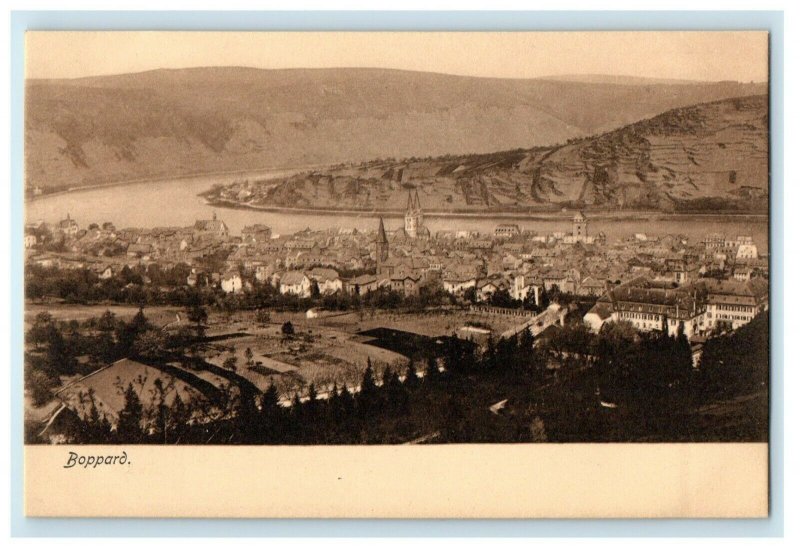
[(397, 274)]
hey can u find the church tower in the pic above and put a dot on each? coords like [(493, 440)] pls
[(413, 215), (580, 227), (381, 245)]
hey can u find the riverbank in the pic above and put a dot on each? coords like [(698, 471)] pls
[(599, 215), (283, 171)]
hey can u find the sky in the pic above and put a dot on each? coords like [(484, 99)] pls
[(708, 56)]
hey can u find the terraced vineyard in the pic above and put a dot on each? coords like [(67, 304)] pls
[(708, 157)]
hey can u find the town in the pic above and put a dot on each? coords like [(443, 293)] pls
[(300, 316)]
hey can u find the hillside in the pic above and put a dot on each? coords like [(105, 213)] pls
[(167, 123), (709, 157)]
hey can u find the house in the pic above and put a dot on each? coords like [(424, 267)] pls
[(747, 251), (327, 280), (30, 240), (592, 287), (256, 233), (68, 227), (561, 280), (141, 251), (231, 282), (524, 284), (362, 285), (457, 285), (104, 272), (402, 282), (732, 303), (487, 288), (742, 274), (295, 282)]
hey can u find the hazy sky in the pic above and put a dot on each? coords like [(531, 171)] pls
[(713, 56)]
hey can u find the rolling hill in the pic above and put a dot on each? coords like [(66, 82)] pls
[(711, 157), (169, 123)]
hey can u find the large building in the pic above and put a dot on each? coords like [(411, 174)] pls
[(696, 308), (733, 303), (651, 306)]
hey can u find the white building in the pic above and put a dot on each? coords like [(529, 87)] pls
[(295, 282), (650, 306), (524, 285), (747, 251), (732, 304), (231, 282), (327, 280)]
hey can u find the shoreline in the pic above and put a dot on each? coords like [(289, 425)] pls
[(600, 215), (163, 179)]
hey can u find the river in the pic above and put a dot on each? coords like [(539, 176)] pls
[(176, 203)]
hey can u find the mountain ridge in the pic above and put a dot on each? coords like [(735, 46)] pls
[(166, 122), (707, 158)]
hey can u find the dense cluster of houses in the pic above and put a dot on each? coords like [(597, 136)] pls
[(648, 281)]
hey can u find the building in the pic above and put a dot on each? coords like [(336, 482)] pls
[(256, 233), (414, 226), (592, 287), (507, 231), (651, 306), (580, 227), (213, 226), (231, 282), (732, 304), (747, 251), (68, 227), (327, 280), (525, 285), (295, 282), (381, 245), (362, 285)]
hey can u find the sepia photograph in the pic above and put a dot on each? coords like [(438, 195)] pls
[(459, 247), (306, 255)]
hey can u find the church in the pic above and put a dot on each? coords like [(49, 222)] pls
[(414, 227)]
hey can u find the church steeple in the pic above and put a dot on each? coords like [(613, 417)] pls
[(413, 223), (382, 232), (381, 245)]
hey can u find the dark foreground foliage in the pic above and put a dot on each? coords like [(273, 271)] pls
[(574, 387)]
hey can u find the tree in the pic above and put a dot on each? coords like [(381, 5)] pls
[(471, 295), (271, 415), (526, 341), (287, 329), (432, 369), (150, 345), (179, 416), (129, 425), (368, 396), (40, 331), (411, 380), (40, 384), (198, 315)]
